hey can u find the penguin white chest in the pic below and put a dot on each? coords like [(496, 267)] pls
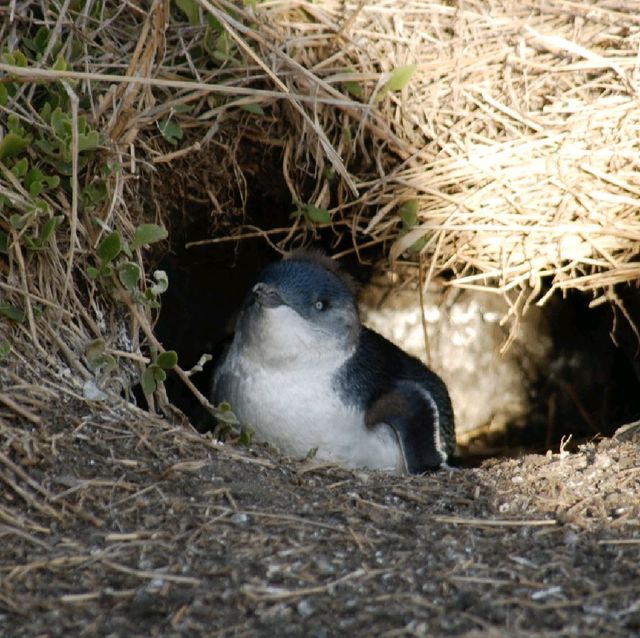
[(298, 409)]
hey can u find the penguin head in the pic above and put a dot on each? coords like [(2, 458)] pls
[(302, 307)]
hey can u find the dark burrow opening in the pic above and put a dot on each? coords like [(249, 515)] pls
[(589, 387)]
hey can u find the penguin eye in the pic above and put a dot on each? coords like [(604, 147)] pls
[(320, 305)]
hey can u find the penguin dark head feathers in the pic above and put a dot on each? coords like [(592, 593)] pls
[(304, 301)]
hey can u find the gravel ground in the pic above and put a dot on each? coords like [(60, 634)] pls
[(120, 525)]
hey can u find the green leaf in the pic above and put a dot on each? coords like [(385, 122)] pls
[(417, 245), (94, 351), (167, 360), (45, 112), (46, 146), (14, 126), (5, 349), (92, 272), (34, 175), (226, 415), (60, 64), (64, 167), (148, 381), (88, 142), (409, 213), (190, 9), (48, 228), (14, 313), (110, 247), (4, 95), (12, 145), (129, 274), (61, 124), (224, 44), (18, 221), (148, 234), (159, 374), (39, 206), (36, 188), (149, 299), (94, 193), (253, 108), (318, 215), (246, 435), (83, 125), (52, 181), (38, 43), (20, 58), (97, 357), (170, 130), (354, 88), (108, 363), (400, 77), (20, 169)]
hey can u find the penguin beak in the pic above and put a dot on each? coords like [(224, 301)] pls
[(267, 296)]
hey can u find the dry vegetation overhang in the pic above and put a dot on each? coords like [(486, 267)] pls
[(496, 141)]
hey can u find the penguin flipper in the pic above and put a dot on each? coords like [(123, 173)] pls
[(411, 412)]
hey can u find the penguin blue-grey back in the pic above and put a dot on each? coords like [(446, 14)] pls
[(305, 374)]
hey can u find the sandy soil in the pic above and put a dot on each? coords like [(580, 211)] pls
[(135, 527)]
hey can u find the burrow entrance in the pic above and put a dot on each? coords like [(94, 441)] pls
[(586, 385)]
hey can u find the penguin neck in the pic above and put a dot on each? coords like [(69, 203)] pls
[(328, 359), (281, 339)]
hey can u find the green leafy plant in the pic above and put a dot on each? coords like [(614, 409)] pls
[(353, 87), (12, 312), (40, 240), (400, 77), (190, 9), (58, 147), (16, 140), (5, 349), (156, 372), (170, 130), (146, 234), (100, 361), (256, 109), (93, 194), (37, 214), (109, 248), (228, 426), (113, 245), (39, 152), (409, 215), (311, 214)]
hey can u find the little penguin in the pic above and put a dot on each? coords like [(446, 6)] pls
[(307, 375)]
